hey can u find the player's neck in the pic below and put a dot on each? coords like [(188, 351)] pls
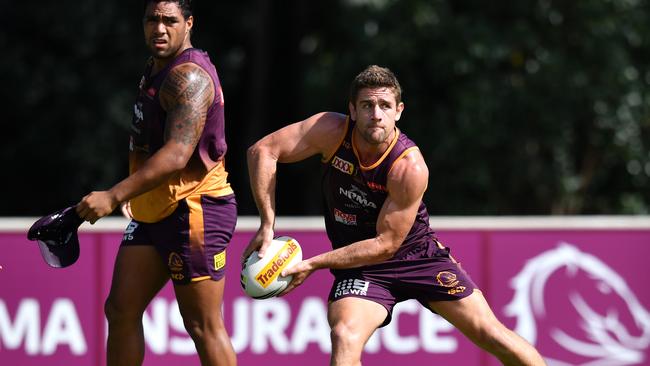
[(369, 153), (161, 63)]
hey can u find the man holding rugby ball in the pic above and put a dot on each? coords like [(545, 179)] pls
[(384, 252)]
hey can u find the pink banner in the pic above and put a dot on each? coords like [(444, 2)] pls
[(581, 296)]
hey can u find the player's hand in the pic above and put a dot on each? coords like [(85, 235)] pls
[(96, 205), (259, 242), (300, 271)]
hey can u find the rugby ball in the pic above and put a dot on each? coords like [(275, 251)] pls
[(260, 277)]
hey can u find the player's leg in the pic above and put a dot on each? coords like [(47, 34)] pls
[(138, 275), (200, 304), (204, 227), (474, 318), (352, 321)]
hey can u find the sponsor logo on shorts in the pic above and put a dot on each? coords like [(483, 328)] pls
[(351, 286), (343, 165), (449, 279), (175, 264), (345, 218), (128, 232), (275, 266), (219, 260), (456, 290)]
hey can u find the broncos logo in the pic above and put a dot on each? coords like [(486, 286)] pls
[(580, 307)]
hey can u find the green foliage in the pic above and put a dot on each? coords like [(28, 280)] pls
[(537, 107), (532, 107)]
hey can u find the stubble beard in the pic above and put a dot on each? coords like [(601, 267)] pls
[(160, 54), (375, 137)]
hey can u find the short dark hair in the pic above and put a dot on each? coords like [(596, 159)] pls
[(375, 77), (184, 5)]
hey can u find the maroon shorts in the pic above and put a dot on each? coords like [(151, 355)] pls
[(435, 278), (192, 240)]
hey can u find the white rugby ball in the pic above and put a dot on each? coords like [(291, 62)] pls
[(260, 277)]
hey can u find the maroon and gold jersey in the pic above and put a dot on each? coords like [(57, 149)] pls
[(354, 194), (205, 173)]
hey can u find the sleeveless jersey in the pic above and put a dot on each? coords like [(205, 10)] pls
[(354, 195), (205, 173)]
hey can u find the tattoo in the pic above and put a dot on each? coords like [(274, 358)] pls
[(186, 95)]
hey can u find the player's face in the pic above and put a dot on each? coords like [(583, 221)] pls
[(165, 29), (376, 111)]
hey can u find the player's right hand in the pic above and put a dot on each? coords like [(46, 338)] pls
[(259, 242), (96, 205), (300, 271)]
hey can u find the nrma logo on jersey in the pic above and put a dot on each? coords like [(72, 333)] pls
[(579, 311), (355, 194)]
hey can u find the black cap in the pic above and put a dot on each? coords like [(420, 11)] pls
[(57, 237)]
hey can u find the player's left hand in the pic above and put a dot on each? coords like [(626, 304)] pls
[(300, 272)]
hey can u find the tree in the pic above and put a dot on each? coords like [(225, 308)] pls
[(533, 107)]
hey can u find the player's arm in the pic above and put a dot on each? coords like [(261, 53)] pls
[(185, 95), (407, 182), (318, 134)]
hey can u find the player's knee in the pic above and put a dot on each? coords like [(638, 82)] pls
[(343, 335), (493, 337), (203, 330), (195, 329), (121, 311)]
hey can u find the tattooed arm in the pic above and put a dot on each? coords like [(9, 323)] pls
[(185, 95)]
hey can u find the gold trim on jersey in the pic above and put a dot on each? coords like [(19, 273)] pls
[(381, 159), (338, 146), (160, 202), (403, 154), (202, 278)]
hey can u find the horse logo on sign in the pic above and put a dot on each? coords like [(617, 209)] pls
[(580, 309)]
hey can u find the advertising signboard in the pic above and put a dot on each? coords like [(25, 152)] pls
[(580, 294)]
